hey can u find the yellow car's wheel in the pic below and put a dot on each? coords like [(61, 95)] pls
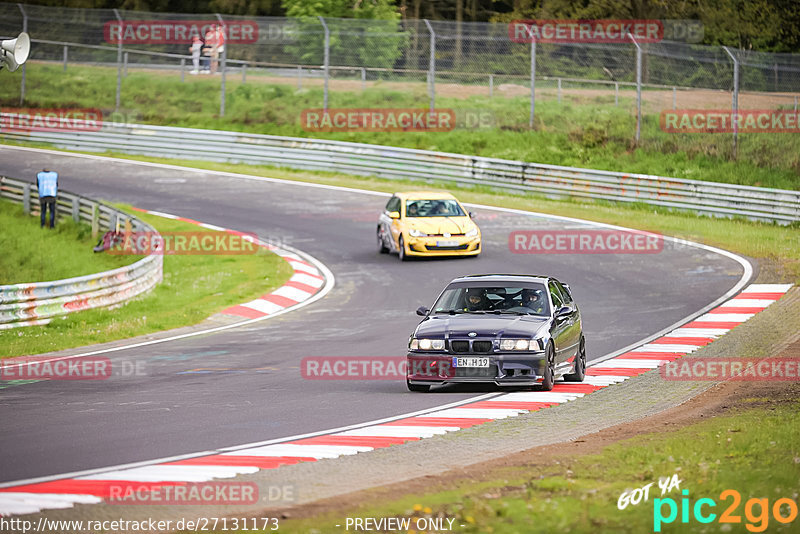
[(382, 248), (401, 249)]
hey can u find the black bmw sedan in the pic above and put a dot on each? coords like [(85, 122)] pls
[(510, 330)]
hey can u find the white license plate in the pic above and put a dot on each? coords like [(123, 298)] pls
[(447, 243), (470, 362)]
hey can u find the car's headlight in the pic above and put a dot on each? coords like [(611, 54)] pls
[(426, 344), (416, 233), (472, 233), (519, 344)]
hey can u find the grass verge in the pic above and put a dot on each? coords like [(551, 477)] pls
[(583, 130), (752, 449), (194, 287), (34, 254), (778, 245)]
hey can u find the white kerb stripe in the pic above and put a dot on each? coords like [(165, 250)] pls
[(626, 363), (292, 293), (476, 413), (264, 306), (301, 268), (698, 332), (725, 317), (746, 303), (604, 380), (537, 396), (161, 214), (306, 279), (397, 431), (667, 347), (173, 473), (301, 451), (212, 227), (767, 288)]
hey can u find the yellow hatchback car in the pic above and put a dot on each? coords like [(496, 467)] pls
[(424, 223)]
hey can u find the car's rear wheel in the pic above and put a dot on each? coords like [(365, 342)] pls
[(382, 248), (549, 369), (418, 388), (401, 249), (580, 365)]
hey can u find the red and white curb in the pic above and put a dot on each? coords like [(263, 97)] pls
[(306, 281), (229, 463)]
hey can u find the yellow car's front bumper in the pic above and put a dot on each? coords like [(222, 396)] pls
[(430, 246)]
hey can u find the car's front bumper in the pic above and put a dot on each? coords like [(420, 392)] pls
[(505, 369), (427, 246)]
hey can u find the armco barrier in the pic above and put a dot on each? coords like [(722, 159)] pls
[(37, 303), (722, 199)]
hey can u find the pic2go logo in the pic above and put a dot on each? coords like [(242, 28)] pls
[(756, 511)]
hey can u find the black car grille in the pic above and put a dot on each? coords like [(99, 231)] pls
[(458, 247), (478, 346)]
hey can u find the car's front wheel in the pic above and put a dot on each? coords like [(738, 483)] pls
[(417, 388), (549, 369), (401, 249), (580, 365)]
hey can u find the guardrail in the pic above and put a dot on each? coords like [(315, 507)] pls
[(37, 303), (758, 203)]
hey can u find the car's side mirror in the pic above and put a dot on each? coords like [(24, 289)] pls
[(471, 214), (422, 311), (563, 311), (394, 214)]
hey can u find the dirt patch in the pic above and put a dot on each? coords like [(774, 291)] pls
[(721, 399)]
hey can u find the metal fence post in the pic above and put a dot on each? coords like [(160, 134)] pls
[(795, 103), (616, 93), (24, 65), (559, 90), (674, 98), (533, 83), (363, 78), (125, 65), (76, 209), (95, 220), (638, 88), (119, 60), (734, 99), (491, 85), (244, 73), (299, 77), (183, 70), (326, 65), (432, 66)]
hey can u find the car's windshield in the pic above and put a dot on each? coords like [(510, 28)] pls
[(433, 208), (528, 300)]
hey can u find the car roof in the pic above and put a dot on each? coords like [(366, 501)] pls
[(424, 195), (503, 278)]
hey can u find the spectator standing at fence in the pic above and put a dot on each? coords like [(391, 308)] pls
[(195, 49), (211, 41), (208, 49), (220, 40), (47, 183)]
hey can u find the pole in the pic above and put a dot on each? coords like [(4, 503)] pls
[(299, 77), (559, 90), (24, 65), (326, 64), (533, 83), (125, 65), (183, 69), (119, 61), (491, 85), (638, 88), (674, 98), (734, 100), (432, 66), (244, 73), (66, 54), (363, 78), (616, 93)]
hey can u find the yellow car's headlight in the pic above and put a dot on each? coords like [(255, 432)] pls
[(416, 233), (472, 233)]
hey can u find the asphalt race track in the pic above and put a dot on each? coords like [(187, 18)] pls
[(244, 385)]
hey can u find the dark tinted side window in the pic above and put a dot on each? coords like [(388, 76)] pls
[(566, 297), (393, 204), (555, 294)]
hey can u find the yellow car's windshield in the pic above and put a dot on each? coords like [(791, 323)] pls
[(433, 208)]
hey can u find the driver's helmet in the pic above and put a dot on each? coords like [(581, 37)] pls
[(533, 298), (475, 299), (413, 209)]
